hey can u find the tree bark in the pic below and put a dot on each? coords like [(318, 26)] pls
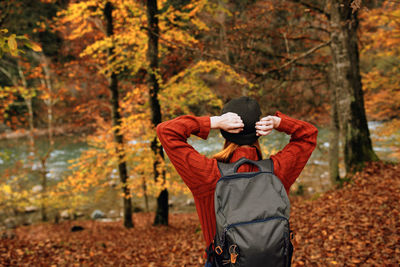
[(116, 122), (28, 102), (334, 132), (33, 151), (50, 101), (161, 217), (348, 89), (43, 173)]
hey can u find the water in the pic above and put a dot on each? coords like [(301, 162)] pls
[(65, 149), (70, 147), (313, 180)]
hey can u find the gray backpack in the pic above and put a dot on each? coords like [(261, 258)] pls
[(252, 213)]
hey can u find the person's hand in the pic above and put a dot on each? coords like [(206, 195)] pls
[(229, 122), (266, 125)]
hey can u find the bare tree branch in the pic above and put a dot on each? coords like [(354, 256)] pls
[(310, 6), (269, 73), (303, 55), (197, 51), (8, 74)]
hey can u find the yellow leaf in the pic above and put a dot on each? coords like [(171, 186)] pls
[(7, 189), (36, 47), (12, 44)]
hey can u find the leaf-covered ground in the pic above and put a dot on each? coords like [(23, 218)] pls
[(106, 244), (358, 225)]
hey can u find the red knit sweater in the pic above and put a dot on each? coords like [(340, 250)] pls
[(201, 174)]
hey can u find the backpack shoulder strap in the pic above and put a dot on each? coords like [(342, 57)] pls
[(265, 165)]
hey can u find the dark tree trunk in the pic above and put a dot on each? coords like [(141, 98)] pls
[(43, 209), (116, 122), (349, 94), (161, 217), (334, 131)]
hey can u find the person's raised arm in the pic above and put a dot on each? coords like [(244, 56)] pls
[(195, 169), (290, 161)]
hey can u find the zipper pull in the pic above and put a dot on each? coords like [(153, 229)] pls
[(233, 258), (233, 253)]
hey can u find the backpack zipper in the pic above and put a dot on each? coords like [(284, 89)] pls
[(226, 229)]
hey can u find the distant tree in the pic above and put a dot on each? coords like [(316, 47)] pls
[(380, 57), (31, 72), (278, 46), (116, 121), (24, 84), (339, 22), (161, 217)]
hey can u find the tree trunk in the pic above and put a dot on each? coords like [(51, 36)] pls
[(28, 102), (146, 198), (116, 123), (349, 95), (43, 174), (49, 102), (161, 217), (334, 132), (33, 152), (222, 32)]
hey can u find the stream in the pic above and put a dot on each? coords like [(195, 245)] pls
[(313, 180)]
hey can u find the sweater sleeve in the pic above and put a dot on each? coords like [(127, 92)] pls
[(196, 170), (290, 161)]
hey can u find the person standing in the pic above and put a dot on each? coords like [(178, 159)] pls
[(241, 127)]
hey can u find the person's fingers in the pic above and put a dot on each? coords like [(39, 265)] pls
[(268, 118), (232, 115), (235, 125), (263, 133), (265, 127), (265, 121), (233, 118), (239, 121)]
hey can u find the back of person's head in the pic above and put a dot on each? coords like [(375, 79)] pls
[(249, 111)]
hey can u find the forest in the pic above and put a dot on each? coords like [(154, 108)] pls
[(84, 180)]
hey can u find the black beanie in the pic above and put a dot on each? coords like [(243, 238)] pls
[(249, 111)]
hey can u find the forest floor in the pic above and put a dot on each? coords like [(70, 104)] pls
[(357, 225)]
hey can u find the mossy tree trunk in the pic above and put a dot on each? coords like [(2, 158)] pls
[(334, 137), (348, 87)]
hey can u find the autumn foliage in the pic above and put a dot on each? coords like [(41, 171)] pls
[(55, 66), (357, 225)]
